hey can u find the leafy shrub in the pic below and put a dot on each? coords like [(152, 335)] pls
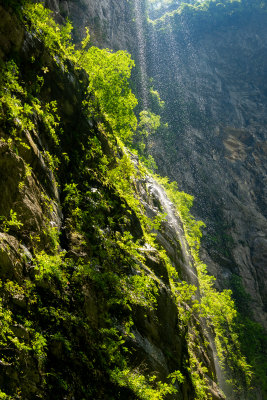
[(50, 266), (56, 38), (12, 223), (108, 80), (142, 386), (108, 72)]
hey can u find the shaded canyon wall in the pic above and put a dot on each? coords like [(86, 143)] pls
[(210, 150), (213, 80)]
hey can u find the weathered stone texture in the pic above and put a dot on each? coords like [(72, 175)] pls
[(214, 85)]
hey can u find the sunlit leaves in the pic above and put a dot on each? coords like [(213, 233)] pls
[(55, 37), (142, 387), (108, 80), (108, 72), (148, 122)]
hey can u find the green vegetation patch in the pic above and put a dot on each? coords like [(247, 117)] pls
[(204, 15), (71, 320)]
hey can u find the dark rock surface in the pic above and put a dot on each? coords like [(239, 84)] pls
[(109, 21), (214, 85)]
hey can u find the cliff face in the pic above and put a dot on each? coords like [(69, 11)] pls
[(213, 80), (88, 299), (110, 22), (99, 287)]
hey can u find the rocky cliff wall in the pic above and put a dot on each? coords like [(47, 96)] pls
[(80, 287), (110, 22), (83, 290), (213, 80)]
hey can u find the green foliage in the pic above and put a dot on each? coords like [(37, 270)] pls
[(198, 372), (98, 208), (141, 289), (183, 203), (18, 112), (148, 122), (141, 386), (12, 223), (56, 282), (149, 162), (156, 100), (8, 340), (56, 38), (13, 289), (50, 267), (253, 342), (112, 346), (218, 308), (49, 116), (18, 108), (189, 308), (204, 14), (124, 177), (5, 332), (72, 195), (241, 297), (253, 339), (4, 396), (186, 302), (176, 376), (12, 108), (39, 346), (108, 80), (108, 72)]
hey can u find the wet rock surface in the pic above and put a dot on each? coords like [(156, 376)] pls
[(109, 22), (214, 87)]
